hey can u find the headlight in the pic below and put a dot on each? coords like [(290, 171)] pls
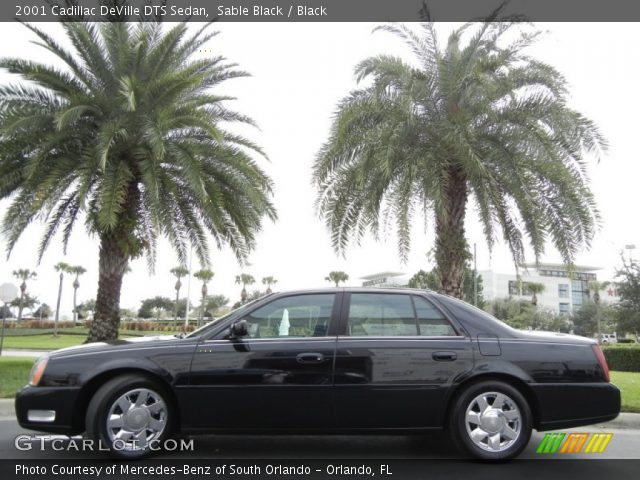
[(37, 370)]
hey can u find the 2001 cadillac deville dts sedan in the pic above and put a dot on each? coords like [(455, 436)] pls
[(333, 360)]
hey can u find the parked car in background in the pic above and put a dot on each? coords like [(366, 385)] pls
[(608, 338), (349, 360)]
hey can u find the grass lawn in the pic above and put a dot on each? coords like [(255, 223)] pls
[(49, 342), (43, 342), (14, 373), (629, 385)]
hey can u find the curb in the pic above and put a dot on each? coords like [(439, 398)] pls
[(624, 421), (7, 409), (23, 352)]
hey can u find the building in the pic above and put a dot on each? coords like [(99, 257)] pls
[(385, 279), (562, 293)]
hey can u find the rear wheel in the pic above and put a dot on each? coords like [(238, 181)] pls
[(130, 415), (491, 421)]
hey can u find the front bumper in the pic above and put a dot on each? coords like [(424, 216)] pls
[(31, 402), (569, 405)]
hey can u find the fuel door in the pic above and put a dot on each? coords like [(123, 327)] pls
[(489, 345)]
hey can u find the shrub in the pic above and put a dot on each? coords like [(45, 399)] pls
[(626, 340), (45, 324), (623, 358)]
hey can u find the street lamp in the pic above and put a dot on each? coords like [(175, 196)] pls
[(631, 247), (8, 293)]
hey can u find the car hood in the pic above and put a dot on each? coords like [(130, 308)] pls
[(555, 337), (132, 342)]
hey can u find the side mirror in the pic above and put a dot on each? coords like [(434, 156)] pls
[(239, 329)]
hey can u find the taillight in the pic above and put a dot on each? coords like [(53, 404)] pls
[(601, 360)]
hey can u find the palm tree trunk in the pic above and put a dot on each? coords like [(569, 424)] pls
[(20, 307), (55, 323), (112, 265), (451, 245), (175, 313), (75, 297), (204, 299)]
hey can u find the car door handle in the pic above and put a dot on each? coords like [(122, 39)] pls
[(444, 356), (310, 358)]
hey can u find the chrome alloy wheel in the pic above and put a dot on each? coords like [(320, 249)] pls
[(493, 421), (136, 418)]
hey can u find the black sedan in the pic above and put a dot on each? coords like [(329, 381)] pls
[(327, 361)]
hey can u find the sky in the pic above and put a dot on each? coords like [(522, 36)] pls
[(299, 72)]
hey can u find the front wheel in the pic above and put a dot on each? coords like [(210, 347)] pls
[(491, 421), (130, 415)]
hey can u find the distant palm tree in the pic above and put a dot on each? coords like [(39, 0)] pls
[(23, 274), (27, 302), (76, 270), (478, 119), (178, 272), (268, 281), (534, 289), (337, 277), (129, 139), (244, 279), (596, 287), (205, 276), (62, 268)]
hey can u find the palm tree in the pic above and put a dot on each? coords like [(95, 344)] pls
[(178, 272), (596, 287), (476, 119), (337, 277), (268, 281), (205, 276), (130, 139), (62, 268), (76, 270), (534, 289), (23, 274), (244, 279), (25, 302)]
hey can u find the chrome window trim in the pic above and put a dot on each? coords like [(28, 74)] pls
[(270, 339), (402, 337)]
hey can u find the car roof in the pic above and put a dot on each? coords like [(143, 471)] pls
[(354, 290)]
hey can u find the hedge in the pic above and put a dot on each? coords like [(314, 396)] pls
[(623, 359)]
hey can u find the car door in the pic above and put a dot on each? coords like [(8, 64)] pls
[(396, 356), (278, 376)]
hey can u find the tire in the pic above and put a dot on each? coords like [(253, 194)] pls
[(130, 415), (488, 430)]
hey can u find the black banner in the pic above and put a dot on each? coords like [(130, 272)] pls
[(393, 469), (317, 10)]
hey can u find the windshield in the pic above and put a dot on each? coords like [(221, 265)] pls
[(207, 327)]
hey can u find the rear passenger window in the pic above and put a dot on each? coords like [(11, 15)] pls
[(431, 322), (386, 315), (379, 314)]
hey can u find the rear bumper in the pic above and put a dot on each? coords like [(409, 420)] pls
[(569, 405), (48, 409)]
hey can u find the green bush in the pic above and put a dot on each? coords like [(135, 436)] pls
[(623, 358), (626, 340)]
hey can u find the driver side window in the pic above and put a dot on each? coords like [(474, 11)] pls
[(295, 316)]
